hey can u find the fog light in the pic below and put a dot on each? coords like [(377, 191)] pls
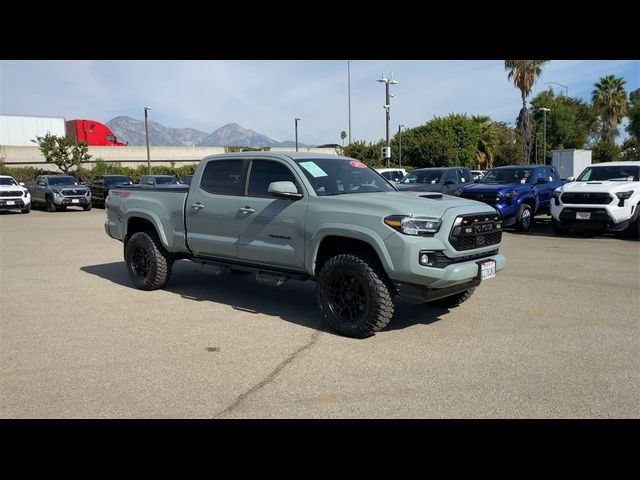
[(428, 259)]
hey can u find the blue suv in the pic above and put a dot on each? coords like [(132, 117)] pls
[(517, 192)]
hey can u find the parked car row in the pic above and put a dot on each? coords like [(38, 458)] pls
[(604, 197)]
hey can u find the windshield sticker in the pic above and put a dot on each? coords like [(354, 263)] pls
[(313, 169), (358, 164)]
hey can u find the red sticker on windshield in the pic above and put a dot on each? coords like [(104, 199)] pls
[(358, 164)]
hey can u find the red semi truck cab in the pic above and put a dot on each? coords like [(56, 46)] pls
[(92, 132)]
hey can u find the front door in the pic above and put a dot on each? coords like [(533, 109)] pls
[(211, 210), (271, 229)]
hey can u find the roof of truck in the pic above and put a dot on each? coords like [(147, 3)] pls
[(635, 163), (291, 155)]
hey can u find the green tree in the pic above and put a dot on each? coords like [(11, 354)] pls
[(488, 141), (605, 151), (366, 153), (610, 100), (524, 74), (630, 149), (65, 152), (508, 151), (343, 135), (633, 112), (570, 123)]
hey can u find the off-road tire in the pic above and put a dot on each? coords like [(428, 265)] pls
[(524, 219), (633, 230), (87, 207), (148, 263), (557, 227), (49, 205), (377, 304), (452, 301), (27, 209)]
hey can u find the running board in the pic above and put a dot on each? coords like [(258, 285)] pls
[(272, 279)]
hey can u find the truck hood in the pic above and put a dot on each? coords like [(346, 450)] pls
[(498, 188), (604, 187), (409, 203), (419, 187)]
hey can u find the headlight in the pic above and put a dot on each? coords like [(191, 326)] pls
[(624, 195), (511, 195), (55, 190), (87, 193), (413, 225), (25, 193), (556, 193)]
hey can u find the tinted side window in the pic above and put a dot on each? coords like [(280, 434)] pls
[(551, 174), (386, 175), (465, 176), (264, 172), (222, 177), (450, 175)]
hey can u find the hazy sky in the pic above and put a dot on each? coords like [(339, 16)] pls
[(266, 96)]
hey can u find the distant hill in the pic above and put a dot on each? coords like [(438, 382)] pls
[(130, 130)]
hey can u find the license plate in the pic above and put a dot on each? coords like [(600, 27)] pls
[(11, 202), (75, 200), (488, 270), (583, 215), (486, 227)]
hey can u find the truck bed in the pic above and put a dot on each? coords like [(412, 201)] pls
[(166, 204)]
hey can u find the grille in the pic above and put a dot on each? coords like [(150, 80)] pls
[(11, 193), (442, 260), (489, 222), (483, 197), (586, 198), (73, 192)]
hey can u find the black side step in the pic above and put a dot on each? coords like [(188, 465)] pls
[(272, 279)]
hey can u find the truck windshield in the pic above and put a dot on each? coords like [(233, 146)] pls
[(166, 180), (7, 181), (426, 176), (614, 173), (507, 175), (339, 176), (62, 181), (120, 180)]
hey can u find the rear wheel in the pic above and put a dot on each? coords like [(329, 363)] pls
[(453, 301), (354, 295), (524, 219), (148, 263)]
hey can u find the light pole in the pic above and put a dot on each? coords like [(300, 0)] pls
[(566, 89), (387, 107), (349, 91), (297, 120), (400, 144), (544, 134), (146, 134)]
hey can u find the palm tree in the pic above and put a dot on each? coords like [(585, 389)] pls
[(524, 74), (610, 99), (343, 135), (487, 141)]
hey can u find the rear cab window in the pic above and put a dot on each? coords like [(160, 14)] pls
[(223, 177)]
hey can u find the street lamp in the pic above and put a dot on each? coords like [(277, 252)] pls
[(387, 107), (566, 89), (400, 127), (146, 134), (544, 134), (297, 120)]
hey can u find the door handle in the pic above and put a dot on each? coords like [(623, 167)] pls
[(247, 210), (197, 206)]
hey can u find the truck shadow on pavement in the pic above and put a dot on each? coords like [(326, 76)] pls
[(293, 302)]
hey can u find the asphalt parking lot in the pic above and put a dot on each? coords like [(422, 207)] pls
[(555, 335)]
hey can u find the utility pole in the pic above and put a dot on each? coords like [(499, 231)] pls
[(146, 134), (387, 107), (544, 134), (349, 90)]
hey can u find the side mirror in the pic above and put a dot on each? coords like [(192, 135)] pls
[(541, 180), (571, 179), (22, 184), (285, 190)]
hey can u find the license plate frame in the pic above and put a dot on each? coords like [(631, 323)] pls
[(487, 270), (583, 215)]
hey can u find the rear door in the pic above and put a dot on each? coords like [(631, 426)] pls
[(271, 229), (212, 209)]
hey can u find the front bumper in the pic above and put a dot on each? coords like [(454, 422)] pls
[(603, 217), (14, 203), (70, 201), (422, 294)]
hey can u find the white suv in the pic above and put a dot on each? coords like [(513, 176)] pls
[(13, 195), (392, 174), (605, 196)]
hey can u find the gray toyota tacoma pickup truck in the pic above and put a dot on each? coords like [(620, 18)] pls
[(314, 217)]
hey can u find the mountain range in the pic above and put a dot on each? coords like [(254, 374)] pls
[(130, 130)]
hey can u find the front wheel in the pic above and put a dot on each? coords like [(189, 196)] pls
[(148, 263), (86, 207), (453, 301), (49, 205), (557, 227), (27, 209), (354, 295), (524, 218)]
